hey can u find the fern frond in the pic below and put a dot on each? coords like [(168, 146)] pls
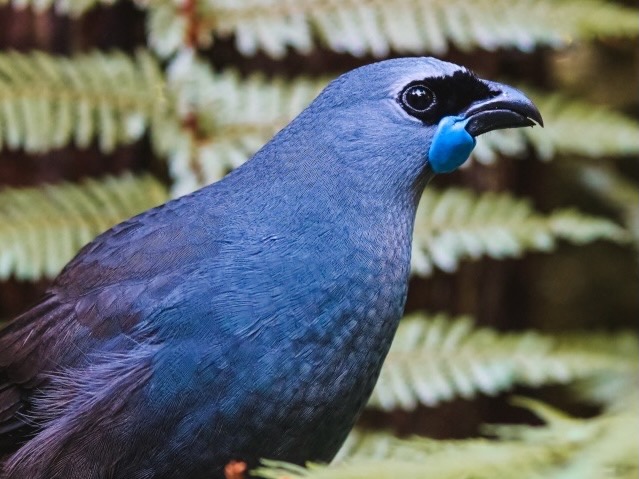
[(48, 102), (608, 443), (375, 444), (603, 447), (580, 128), (376, 27), (421, 458), (573, 128), (457, 224), (381, 444), (42, 228), (436, 358)]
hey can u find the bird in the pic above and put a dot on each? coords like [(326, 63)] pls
[(250, 318)]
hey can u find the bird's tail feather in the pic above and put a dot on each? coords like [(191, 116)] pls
[(76, 442), (22, 362)]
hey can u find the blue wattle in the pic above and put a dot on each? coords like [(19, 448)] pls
[(451, 145)]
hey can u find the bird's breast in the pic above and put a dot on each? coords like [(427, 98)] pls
[(318, 366), (297, 326)]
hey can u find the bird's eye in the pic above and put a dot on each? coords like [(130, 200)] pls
[(417, 98)]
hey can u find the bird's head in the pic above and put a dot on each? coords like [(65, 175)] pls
[(414, 117)]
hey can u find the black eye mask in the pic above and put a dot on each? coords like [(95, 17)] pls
[(449, 95)]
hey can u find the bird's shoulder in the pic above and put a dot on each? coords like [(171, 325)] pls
[(161, 240)]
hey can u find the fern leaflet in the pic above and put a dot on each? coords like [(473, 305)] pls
[(47, 102), (42, 228), (436, 358), (457, 224), (376, 27)]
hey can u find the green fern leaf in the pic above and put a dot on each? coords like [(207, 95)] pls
[(42, 228), (580, 128), (607, 444), (436, 358), (373, 444), (48, 102), (376, 27), (359, 27), (430, 459), (603, 447), (564, 448), (457, 224)]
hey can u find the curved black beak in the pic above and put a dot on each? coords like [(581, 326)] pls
[(508, 108)]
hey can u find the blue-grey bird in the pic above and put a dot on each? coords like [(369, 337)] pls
[(249, 319)]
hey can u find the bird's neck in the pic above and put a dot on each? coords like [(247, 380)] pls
[(328, 178), (353, 230)]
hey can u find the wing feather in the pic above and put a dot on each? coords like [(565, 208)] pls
[(96, 307)]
